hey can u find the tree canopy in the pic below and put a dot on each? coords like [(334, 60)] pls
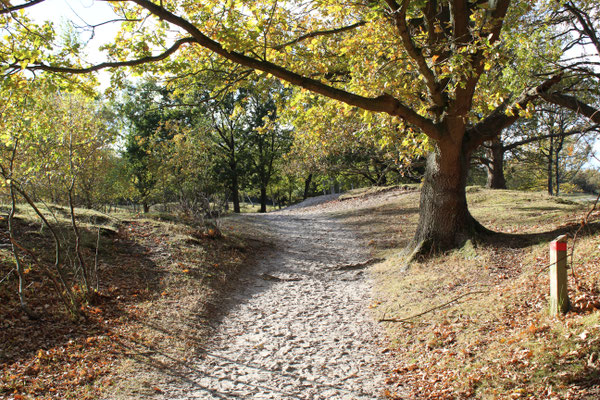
[(437, 67)]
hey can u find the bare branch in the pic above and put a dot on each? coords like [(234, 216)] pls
[(586, 25), (407, 319)]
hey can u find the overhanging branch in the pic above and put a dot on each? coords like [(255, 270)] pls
[(385, 103), (7, 10), (111, 64)]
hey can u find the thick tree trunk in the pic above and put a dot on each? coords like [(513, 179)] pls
[(444, 219), (146, 207), (495, 170)]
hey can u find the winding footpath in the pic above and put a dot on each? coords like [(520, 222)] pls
[(299, 325)]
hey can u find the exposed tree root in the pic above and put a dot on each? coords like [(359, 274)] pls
[(352, 267), (419, 250)]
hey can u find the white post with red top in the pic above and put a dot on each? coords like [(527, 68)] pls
[(559, 297)]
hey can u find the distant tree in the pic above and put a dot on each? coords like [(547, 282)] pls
[(588, 180), (338, 142), (555, 147), (268, 139), (147, 108)]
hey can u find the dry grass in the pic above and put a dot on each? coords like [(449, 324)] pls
[(486, 332)]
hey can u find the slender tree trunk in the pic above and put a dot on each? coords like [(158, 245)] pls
[(263, 198), (382, 180), (380, 173), (444, 219), (235, 191), (82, 263), (560, 142), (550, 162), (15, 251), (556, 175), (307, 182), (495, 170)]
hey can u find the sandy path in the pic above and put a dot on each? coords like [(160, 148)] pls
[(298, 328)]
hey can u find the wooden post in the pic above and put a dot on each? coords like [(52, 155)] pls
[(559, 297)]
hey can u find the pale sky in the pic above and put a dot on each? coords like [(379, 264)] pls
[(82, 13)]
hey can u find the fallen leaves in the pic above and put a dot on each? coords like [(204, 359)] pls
[(515, 350), (144, 274)]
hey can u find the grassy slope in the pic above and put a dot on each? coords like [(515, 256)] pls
[(494, 339), (160, 284)]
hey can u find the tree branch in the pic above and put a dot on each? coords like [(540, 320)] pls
[(586, 25), (384, 103), (407, 319), (513, 145), (466, 88), (492, 125), (112, 64), (399, 14), (7, 10), (320, 33), (460, 21), (572, 103)]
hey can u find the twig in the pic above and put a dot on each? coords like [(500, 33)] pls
[(432, 309), (96, 260), (7, 275), (46, 271), (268, 277), (545, 267), (144, 353)]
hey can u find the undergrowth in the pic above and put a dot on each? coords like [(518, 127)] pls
[(160, 283)]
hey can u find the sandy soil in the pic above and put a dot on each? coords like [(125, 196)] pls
[(299, 326)]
